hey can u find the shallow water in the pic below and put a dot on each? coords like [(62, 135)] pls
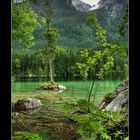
[(75, 89), (51, 121)]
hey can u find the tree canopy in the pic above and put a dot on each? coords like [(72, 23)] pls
[(24, 22)]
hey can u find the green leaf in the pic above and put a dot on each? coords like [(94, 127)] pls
[(80, 131), (105, 136), (27, 136), (126, 138), (123, 52)]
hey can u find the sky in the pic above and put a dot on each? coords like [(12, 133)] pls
[(90, 2)]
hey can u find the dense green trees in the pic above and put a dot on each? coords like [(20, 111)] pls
[(123, 25), (35, 61), (24, 22)]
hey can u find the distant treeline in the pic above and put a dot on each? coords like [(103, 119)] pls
[(29, 62)]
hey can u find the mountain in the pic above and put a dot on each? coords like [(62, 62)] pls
[(114, 8), (71, 23)]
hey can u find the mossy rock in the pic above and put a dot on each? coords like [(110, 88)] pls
[(52, 86), (118, 100), (107, 99)]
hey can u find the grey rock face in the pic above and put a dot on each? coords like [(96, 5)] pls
[(112, 7), (119, 103), (122, 87), (120, 98), (82, 6), (28, 103)]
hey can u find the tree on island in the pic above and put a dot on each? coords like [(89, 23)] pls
[(51, 35)]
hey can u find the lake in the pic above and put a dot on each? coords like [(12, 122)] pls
[(75, 89), (51, 121)]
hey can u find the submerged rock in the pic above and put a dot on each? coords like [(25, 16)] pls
[(28, 103), (51, 120)]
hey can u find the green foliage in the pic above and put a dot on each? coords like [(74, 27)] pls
[(74, 34), (51, 35), (100, 62), (17, 63), (92, 21), (24, 22), (126, 138), (123, 25), (105, 136), (97, 123), (26, 136), (71, 24), (85, 53), (65, 62), (50, 32), (126, 69)]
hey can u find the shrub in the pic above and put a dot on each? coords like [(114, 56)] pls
[(22, 135)]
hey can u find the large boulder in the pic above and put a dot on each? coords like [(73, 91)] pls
[(119, 103), (118, 100), (121, 87), (26, 104)]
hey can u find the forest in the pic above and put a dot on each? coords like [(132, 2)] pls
[(70, 70)]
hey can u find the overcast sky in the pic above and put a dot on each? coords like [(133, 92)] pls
[(90, 2)]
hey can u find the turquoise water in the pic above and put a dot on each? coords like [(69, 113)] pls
[(80, 89), (52, 112), (75, 89)]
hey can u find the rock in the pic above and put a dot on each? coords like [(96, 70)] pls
[(28, 103), (122, 87), (119, 103), (15, 114), (118, 100), (52, 86), (107, 99), (81, 111), (61, 87)]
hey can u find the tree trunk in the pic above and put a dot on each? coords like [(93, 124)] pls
[(50, 70)]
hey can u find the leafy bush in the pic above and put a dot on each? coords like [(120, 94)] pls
[(98, 124), (22, 135)]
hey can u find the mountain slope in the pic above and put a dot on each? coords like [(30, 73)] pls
[(71, 24)]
